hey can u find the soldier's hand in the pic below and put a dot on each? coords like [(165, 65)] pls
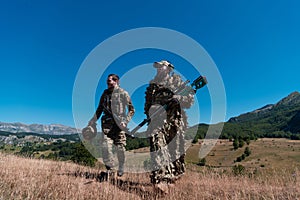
[(123, 124), (174, 99)]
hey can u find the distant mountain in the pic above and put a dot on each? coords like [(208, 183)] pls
[(281, 119), (294, 123), (52, 129), (282, 116)]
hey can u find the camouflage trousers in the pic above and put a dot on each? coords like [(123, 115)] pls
[(167, 152), (113, 140)]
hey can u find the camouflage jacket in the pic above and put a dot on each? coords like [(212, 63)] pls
[(116, 102), (160, 92)]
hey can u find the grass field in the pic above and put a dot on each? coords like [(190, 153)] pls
[(276, 162), (266, 153)]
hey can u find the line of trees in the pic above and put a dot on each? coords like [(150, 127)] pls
[(59, 150), (246, 153)]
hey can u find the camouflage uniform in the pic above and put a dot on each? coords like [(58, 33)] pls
[(167, 132), (116, 102)]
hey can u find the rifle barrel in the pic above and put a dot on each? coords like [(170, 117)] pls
[(140, 125)]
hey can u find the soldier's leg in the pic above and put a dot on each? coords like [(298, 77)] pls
[(176, 147), (107, 143), (121, 158), (173, 144), (120, 143), (182, 168), (159, 157), (107, 153)]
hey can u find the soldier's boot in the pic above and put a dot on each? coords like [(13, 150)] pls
[(111, 176), (121, 170), (104, 176), (162, 188), (121, 159)]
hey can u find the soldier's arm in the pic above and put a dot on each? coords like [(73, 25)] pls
[(130, 108), (148, 98)]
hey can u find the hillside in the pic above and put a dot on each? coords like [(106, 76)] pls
[(279, 120), (270, 172), (279, 114), (282, 116), (32, 179)]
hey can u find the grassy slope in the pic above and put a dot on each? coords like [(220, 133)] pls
[(267, 152), (23, 178)]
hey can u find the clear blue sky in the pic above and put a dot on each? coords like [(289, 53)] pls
[(255, 45)]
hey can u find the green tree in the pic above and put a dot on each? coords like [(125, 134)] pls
[(247, 151), (241, 143), (82, 156), (235, 144), (239, 159), (202, 162), (195, 140)]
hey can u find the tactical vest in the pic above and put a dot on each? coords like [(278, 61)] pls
[(115, 101), (160, 94)]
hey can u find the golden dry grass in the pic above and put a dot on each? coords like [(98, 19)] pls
[(23, 178)]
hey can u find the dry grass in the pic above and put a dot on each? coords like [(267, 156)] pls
[(23, 178), (273, 154)]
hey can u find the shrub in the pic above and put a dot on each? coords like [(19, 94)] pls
[(202, 162), (247, 151), (238, 170)]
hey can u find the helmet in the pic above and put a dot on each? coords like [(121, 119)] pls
[(163, 63), (89, 132)]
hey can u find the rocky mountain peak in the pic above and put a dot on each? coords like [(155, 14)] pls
[(52, 129), (292, 98)]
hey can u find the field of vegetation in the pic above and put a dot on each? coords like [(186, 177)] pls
[(264, 153), (269, 171)]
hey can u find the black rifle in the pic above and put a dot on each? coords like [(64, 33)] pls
[(184, 89), (118, 122)]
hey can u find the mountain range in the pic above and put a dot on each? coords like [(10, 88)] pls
[(281, 119), (52, 129), (282, 116)]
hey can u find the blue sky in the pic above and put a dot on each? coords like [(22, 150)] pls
[(254, 44)]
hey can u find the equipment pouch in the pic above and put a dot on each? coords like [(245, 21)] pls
[(107, 124)]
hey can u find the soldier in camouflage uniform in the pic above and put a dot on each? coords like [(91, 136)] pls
[(167, 130), (114, 100)]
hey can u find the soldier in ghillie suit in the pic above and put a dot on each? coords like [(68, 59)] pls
[(113, 103), (167, 130)]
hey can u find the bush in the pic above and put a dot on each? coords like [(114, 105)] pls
[(241, 143), (238, 170), (239, 159), (195, 140), (235, 144), (202, 162), (247, 151)]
